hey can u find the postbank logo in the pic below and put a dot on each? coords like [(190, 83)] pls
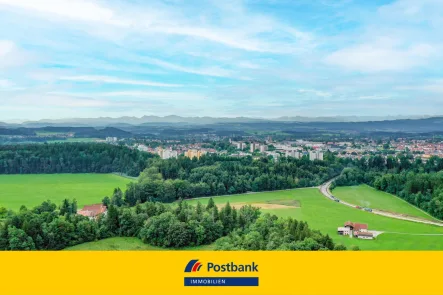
[(194, 266)]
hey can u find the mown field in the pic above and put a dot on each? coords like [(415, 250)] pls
[(125, 244), (326, 215), (366, 196), (32, 189)]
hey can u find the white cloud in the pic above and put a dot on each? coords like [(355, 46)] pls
[(49, 100), (142, 95), (248, 65), (235, 28), (398, 36), (6, 47), (113, 80), (377, 57), (373, 97), (209, 71), (67, 9), (4, 84), (314, 92), (11, 55), (215, 39), (412, 11), (433, 86), (217, 35), (155, 94)]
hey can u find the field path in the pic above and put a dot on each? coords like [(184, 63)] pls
[(324, 189)]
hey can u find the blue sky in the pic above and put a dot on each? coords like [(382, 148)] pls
[(92, 58)]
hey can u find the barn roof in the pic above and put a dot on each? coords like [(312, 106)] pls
[(92, 210)]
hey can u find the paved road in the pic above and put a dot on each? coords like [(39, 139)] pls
[(411, 234), (324, 189)]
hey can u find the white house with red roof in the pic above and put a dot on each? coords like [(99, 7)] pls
[(359, 230)]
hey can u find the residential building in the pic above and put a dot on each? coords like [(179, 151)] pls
[(239, 145), (293, 153), (93, 211), (316, 155), (344, 231), (254, 146), (263, 148), (194, 153), (358, 230), (167, 153), (363, 227)]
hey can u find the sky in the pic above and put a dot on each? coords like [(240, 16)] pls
[(254, 58)]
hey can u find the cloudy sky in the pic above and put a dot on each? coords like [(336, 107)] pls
[(257, 58)]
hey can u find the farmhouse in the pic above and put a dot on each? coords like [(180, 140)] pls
[(356, 226), (344, 231), (359, 230), (92, 211)]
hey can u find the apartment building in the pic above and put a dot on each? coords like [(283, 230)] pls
[(316, 155)]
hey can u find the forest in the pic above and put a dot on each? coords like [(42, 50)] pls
[(182, 178), (71, 158), (48, 227), (418, 183)]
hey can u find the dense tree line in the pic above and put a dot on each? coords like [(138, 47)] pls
[(420, 184), (173, 179), (47, 227), (71, 158), (272, 233)]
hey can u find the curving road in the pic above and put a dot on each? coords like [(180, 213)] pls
[(324, 189)]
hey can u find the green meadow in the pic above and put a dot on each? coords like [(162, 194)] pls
[(114, 244), (366, 196), (305, 204), (32, 189), (125, 244), (326, 215)]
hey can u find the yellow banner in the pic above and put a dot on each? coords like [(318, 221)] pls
[(163, 272)]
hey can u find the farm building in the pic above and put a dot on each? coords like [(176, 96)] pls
[(344, 231), (364, 235), (92, 211), (356, 226), (355, 229)]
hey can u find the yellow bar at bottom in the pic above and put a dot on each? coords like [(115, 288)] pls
[(162, 272)]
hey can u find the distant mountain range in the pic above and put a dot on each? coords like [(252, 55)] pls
[(179, 126), (173, 119)]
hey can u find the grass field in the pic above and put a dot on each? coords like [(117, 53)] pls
[(32, 189), (110, 244), (125, 244), (326, 215), (366, 196)]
